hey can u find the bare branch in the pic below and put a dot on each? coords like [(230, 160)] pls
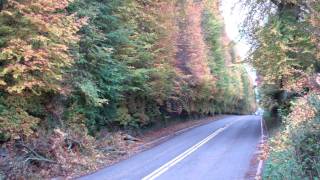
[(37, 156), (40, 159)]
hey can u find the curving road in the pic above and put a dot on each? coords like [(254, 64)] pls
[(219, 150)]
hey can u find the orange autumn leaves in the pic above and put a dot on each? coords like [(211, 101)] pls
[(36, 61), (196, 61), (198, 53)]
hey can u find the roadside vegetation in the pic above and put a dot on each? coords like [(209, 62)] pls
[(77, 77), (286, 56)]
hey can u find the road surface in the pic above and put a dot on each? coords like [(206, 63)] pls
[(219, 150)]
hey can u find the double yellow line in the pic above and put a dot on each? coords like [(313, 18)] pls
[(185, 154)]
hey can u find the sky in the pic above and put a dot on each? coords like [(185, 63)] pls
[(233, 16)]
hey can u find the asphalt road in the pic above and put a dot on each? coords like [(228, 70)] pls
[(219, 150)]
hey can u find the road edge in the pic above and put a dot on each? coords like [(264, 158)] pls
[(263, 138), (162, 139), (154, 143)]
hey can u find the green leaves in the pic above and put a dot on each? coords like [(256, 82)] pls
[(116, 59), (92, 95), (286, 60), (110, 60), (233, 86), (295, 150)]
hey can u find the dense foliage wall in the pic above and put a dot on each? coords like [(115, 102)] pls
[(286, 56), (234, 92), (150, 63), (73, 68)]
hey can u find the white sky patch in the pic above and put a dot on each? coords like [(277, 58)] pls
[(233, 16)]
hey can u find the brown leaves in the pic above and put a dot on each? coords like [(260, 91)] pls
[(302, 111), (39, 59)]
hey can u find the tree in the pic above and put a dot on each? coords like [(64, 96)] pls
[(34, 40)]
